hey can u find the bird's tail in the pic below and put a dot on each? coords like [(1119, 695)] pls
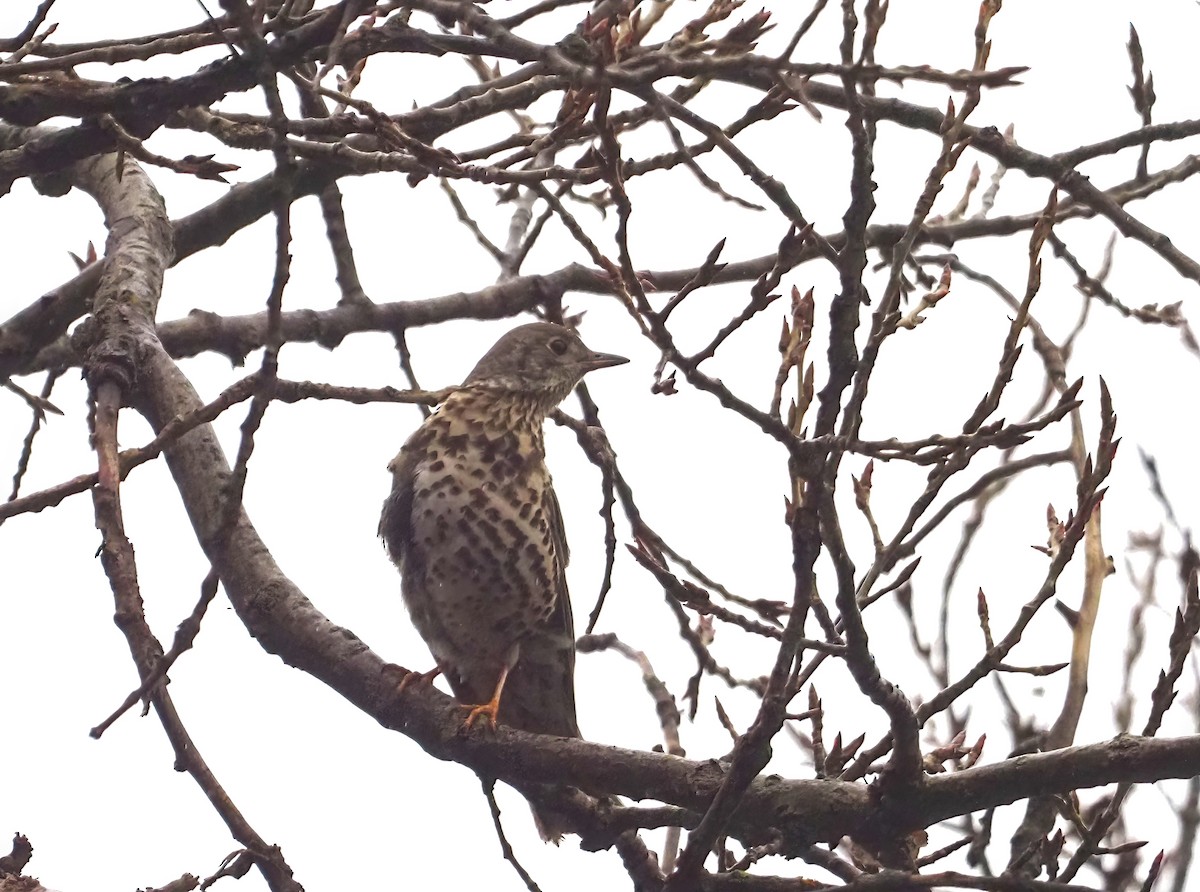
[(551, 825)]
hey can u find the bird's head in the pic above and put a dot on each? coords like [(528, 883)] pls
[(540, 360)]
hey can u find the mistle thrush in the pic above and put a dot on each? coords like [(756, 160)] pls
[(475, 528)]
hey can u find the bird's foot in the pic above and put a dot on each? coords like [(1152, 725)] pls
[(484, 709), (418, 678), (492, 707)]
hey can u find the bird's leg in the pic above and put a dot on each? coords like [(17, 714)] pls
[(489, 709), (418, 678), (492, 708)]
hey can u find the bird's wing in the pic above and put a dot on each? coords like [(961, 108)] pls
[(558, 535), (540, 693), (395, 523), (562, 621)]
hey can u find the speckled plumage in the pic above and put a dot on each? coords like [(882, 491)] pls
[(474, 526)]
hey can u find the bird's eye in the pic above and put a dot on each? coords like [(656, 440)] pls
[(558, 346)]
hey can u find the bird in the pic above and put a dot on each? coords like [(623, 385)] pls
[(475, 529)]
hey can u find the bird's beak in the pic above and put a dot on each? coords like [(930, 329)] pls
[(602, 361)]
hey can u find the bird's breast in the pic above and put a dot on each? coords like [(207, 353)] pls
[(482, 553)]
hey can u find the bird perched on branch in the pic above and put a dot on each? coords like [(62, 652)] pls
[(474, 526)]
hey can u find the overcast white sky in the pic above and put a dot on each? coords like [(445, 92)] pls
[(354, 805)]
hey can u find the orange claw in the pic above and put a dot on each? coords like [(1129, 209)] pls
[(490, 709), (487, 709), (418, 678)]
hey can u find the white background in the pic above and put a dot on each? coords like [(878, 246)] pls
[(354, 805)]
